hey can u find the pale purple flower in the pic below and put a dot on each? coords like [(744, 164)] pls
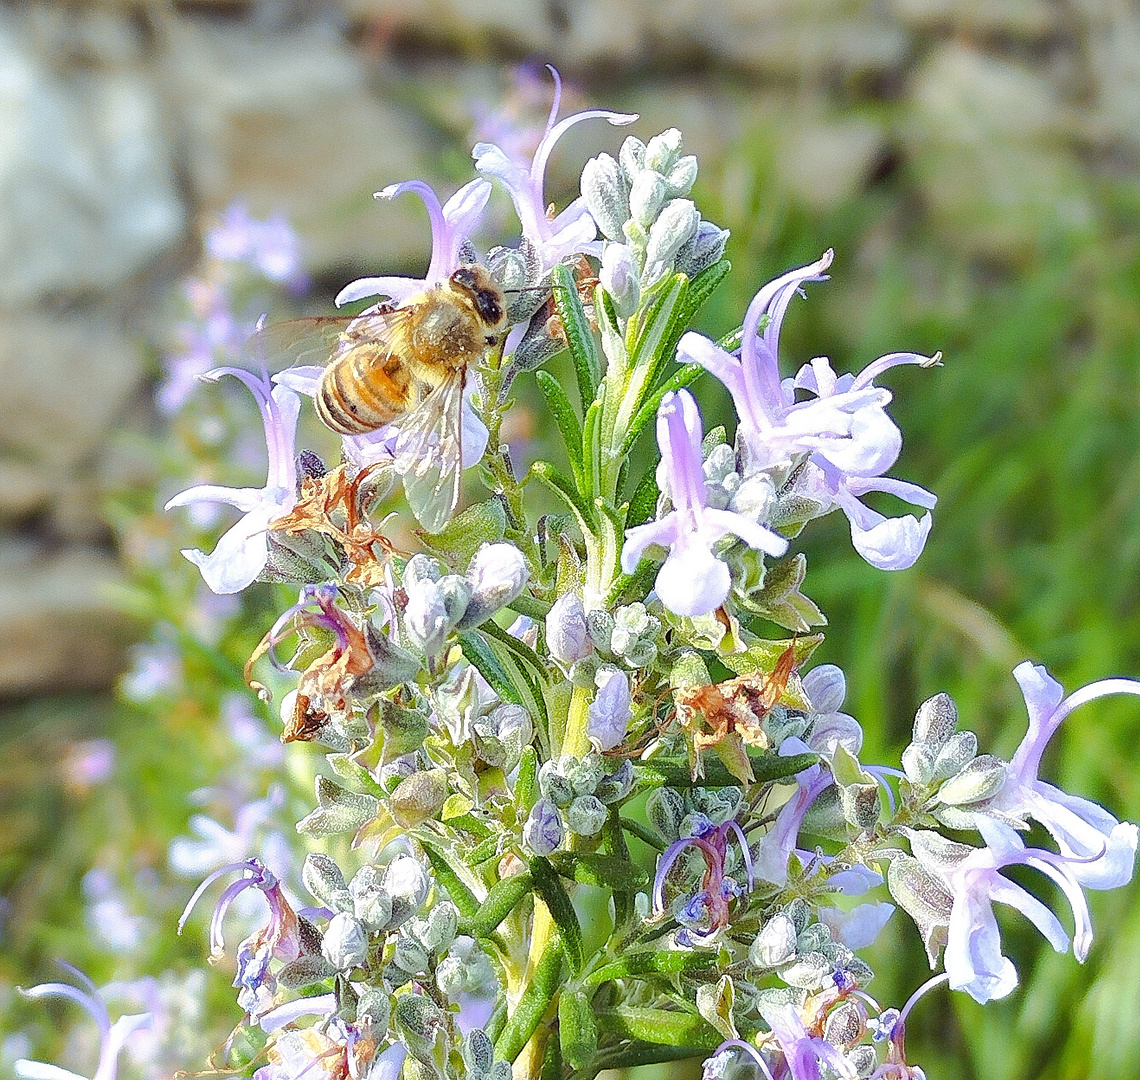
[(111, 1036), (776, 846), (214, 845), (844, 427), (567, 639), (858, 927), (451, 226), (574, 229), (826, 687), (378, 446), (973, 957), (211, 335), (1100, 851), (692, 581), (242, 552)]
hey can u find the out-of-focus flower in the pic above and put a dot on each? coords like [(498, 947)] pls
[(692, 581), (155, 669), (88, 763), (552, 239), (109, 913), (451, 225), (111, 1036), (215, 845), (242, 552), (269, 246), (1099, 850)]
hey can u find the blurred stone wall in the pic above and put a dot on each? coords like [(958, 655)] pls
[(125, 125)]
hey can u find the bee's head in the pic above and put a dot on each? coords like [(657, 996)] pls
[(476, 283)]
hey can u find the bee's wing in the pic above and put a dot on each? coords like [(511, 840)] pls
[(316, 340), (429, 452)]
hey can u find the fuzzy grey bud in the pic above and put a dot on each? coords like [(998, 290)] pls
[(325, 882), (406, 882), (665, 809), (620, 278), (702, 249), (345, 944), (631, 157), (410, 955), (497, 574), (478, 1052), (681, 177), (646, 197), (936, 719), (420, 1024), (918, 762), (676, 223), (567, 638), (775, 944), (418, 797), (617, 785), (554, 784), (960, 748), (502, 735), (585, 774), (586, 816), (979, 779), (543, 830), (606, 194), (600, 625), (421, 568), (442, 921), (370, 903), (662, 150), (374, 1007)]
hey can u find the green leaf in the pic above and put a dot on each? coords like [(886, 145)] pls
[(765, 767), (683, 376), (577, 1032), (502, 898), (461, 896), (644, 833), (651, 962), (561, 486), (579, 336), (569, 426), (536, 998), (483, 523), (643, 505), (525, 684), (549, 887), (704, 285), (338, 810), (763, 655), (659, 1026), (521, 650), (355, 773), (591, 450), (605, 871), (526, 783)]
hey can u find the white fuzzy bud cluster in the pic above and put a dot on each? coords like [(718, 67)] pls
[(651, 228)]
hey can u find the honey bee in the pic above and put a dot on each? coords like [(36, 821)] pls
[(409, 364)]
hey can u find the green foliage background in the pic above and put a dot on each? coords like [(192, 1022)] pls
[(1030, 436)]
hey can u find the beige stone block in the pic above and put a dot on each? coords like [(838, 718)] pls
[(59, 624)]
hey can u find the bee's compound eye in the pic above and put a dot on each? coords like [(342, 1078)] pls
[(492, 339), (465, 278)]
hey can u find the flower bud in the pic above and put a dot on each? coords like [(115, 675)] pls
[(554, 784), (702, 249), (425, 617), (345, 944), (631, 157), (861, 805), (567, 638), (478, 1052), (451, 978), (325, 882), (442, 921), (617, 785), (665, 809), (371, 905), (606, 195), (775, 944), (374, 1007), (609, 712), (662, 150), (420, 568), (543, 830), (646, 197), (585, 774), (918, 762), (497, 574), (586, 816), (418, 797), (410, 955), (681, 177), (600, 625), (620, 278), (406, 882), (979, 779), (936, 720), (826, 687), (956, 752), (676, 223), (420, 1023)]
